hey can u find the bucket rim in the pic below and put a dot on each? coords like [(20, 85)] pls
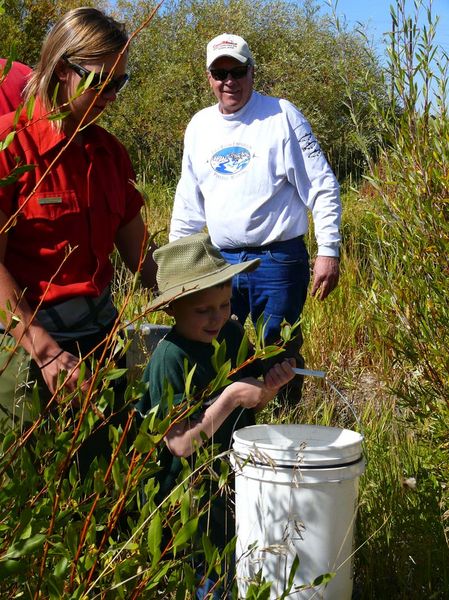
[(308, 449), (237, 434)]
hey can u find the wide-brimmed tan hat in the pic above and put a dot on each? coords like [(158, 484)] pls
[(189, 265)]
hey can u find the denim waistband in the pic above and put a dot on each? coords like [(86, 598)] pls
[(266, 248)]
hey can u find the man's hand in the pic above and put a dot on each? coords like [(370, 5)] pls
[(326, 272)]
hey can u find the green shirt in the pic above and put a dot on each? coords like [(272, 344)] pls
[(167, 365)]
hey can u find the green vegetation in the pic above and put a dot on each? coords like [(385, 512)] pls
[(382, 336), (24, 23), (298, 56)]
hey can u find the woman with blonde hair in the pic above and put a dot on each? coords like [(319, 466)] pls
[(69, 200)]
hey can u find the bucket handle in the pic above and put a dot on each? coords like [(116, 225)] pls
[(322, 375)]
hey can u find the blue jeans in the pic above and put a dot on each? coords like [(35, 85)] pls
[(204, 592), (219, 592), (277, 289)]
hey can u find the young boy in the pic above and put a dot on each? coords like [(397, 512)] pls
[(195, 289)]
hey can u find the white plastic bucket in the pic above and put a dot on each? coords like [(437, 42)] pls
[(296, 494)]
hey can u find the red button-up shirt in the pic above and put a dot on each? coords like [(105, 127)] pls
[(11, 87), (59, 246)]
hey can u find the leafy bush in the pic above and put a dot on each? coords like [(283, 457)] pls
[(408, 242), (103, 534), (299, 55), (24, 23)]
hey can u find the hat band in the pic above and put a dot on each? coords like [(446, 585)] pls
[(195, 281)]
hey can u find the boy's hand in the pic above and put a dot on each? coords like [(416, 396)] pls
[(280, 374), (252, 393), (247, 393)]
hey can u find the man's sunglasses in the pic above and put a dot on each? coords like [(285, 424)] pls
[(223, 74), (97, 80)]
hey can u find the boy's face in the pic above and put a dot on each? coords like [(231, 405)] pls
[(200, 316)]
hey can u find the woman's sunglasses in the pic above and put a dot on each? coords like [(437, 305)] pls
[(223, 74), (97, 80)]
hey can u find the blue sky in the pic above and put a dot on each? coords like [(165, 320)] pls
[(375, 15)]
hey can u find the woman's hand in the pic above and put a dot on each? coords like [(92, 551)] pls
[(62, 361)]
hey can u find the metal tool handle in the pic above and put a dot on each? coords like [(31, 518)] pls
[(309, 372)]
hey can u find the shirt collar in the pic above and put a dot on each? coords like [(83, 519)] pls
[(239, 113), (48, 137)]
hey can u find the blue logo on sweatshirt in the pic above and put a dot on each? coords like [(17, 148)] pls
[(229, 161)]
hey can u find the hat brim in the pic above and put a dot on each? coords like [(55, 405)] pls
[(164, 299), (229, 54)]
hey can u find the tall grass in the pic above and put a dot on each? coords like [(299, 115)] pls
[(391, 314), (382, 335)]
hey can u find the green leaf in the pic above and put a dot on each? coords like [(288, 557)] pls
[(61, 568), (208, 548), (186, 501), (148, 424), (323, 579), (55, 587), (25, 547), (30, 107), (270, 351), (159, 573), (190, 576), (25, 523), (10, 567), (219, 355), (15, 174), (243, 350), (8, 441), (99, 485), (73, 475), (185, 533), (291, 578), (188, 379), (221, 380), (260, 334), (71, 537), (7, 141), (35, 404), (17, 115), (143, 442), (115, 374), (224, 473), (117, 475), (58, 116), (259, 591), (154, 537), (181, 591)]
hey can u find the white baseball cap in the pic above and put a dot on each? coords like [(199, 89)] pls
[(227, 44)]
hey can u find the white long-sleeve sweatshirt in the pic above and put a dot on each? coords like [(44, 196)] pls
[(251, 176)]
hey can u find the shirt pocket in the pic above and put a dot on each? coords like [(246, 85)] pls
[(49, 205)]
